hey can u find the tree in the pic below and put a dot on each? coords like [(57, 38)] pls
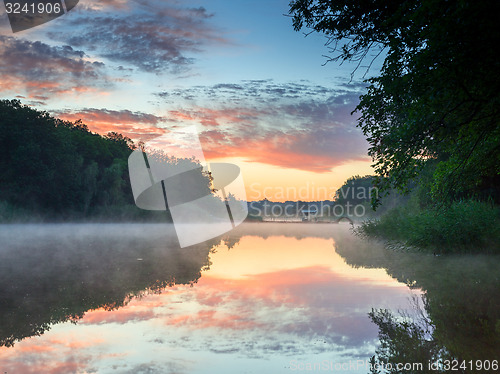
[(437, 95), (406, 342), (355, 190), (119, 138), (55, 169)]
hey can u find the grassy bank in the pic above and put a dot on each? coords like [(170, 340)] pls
[(465, 226)]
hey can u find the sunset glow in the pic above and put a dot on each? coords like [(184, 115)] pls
[(257, 91), (251, 297)]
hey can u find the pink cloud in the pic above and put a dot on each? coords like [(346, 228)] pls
[(316, 150), (300, 134), (135, 125)]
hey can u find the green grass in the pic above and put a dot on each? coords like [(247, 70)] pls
[(465, 226)]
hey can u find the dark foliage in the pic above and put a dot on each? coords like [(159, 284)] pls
[(437, 96), (55, 170)]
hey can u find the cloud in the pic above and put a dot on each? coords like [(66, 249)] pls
[(215, 117), (314, 150), (291, 125), (105, 4), (258, 91), (102, 45), (136, 125), (38, 70), (157, 36)]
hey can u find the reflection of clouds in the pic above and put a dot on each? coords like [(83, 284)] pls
[(309, 308), (311, 305), (56, 356), (120, 316), (316, 301), (208, 318)]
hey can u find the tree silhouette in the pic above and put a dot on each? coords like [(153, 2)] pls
[(437, 95)]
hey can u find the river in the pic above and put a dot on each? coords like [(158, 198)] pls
[(264, 298)]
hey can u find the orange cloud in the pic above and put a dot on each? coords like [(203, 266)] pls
[(36, 349), (316, 150), (135, 125), (305, 136)]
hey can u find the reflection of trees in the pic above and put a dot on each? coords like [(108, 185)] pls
[(57, 273), (462, 293), (406, 340), (230, 241)]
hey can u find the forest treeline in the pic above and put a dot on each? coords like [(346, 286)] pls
[(55, 170)]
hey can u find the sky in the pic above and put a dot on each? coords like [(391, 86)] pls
[(258, 92)]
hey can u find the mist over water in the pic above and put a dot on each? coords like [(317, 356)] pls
[(266, 297)]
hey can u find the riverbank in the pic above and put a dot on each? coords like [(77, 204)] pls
[(463, 227), (110, 214)]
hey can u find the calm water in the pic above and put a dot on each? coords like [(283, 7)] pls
[(266, 298)]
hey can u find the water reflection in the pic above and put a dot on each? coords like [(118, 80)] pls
[(458, 316), (270, 298), (54, 273)]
